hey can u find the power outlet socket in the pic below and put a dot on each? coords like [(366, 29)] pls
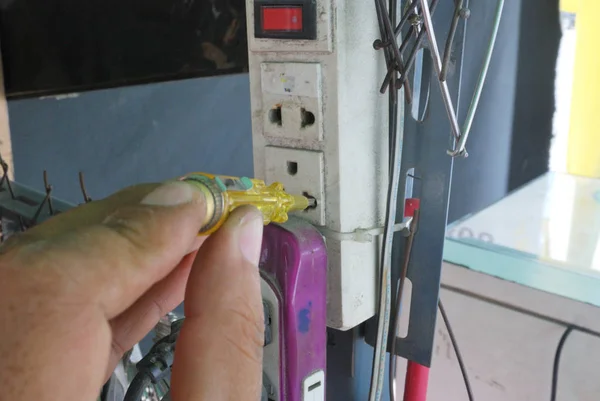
[(291, 94), (342, 158), (300, 172)]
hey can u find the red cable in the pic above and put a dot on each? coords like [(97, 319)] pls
[(417, 379), (417, 376)]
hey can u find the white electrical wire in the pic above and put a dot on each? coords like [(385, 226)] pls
[(383, 324)]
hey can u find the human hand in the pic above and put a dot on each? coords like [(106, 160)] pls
[(81, 289)]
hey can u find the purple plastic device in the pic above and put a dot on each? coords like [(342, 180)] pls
[(293, 265)]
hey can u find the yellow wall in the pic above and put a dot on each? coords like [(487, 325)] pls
[(584, 132), (569, 6)]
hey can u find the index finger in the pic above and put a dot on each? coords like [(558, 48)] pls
[(219, 349), (113, 261), (84, 215)]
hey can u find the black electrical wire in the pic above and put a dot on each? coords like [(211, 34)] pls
[(557, 354), (138, 387), (569, 327), (555, 368), (393, 94), (463, 369)]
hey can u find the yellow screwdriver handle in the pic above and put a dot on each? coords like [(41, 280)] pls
[(224, 194)]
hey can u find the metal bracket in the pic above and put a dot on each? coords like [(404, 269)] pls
[(423, 150)]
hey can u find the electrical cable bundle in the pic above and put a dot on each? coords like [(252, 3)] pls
[(395, 153), (155, 367), (419, 13)]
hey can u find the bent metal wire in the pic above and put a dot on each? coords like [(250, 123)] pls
[(418, 13), (22, 207)]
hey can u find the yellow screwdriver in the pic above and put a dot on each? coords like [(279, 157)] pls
[(223, 194)]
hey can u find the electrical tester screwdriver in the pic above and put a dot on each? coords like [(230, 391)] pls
[(224, 194)]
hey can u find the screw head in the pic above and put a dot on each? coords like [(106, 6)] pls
[(465, 13)]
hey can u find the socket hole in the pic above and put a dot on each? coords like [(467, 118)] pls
[(292, 168), (275, 115), (310, 198), (307, 117), (314, 386)]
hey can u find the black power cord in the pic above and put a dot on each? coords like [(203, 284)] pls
[(138, 386), (557, 354), (463, 369), (156, 365)]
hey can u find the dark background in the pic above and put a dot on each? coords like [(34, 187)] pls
[(70, 45)]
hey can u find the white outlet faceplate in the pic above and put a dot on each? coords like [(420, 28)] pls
[(342, 158), (301, 172), (291, 93)]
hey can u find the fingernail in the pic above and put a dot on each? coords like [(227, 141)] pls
[(170, 194), (250, 236)]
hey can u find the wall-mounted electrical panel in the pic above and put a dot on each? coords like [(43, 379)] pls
[(320, 127)]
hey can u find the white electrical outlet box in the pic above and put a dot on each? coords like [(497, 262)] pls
[(342, 157)]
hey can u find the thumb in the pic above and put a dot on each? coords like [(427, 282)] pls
[(219, 349)]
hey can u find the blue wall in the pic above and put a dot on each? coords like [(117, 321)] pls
[(120, 137), (123, 136)]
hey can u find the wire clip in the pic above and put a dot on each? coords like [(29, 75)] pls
[(365, 234)]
